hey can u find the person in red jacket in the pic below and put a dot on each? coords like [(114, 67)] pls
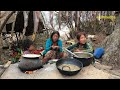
[(29, 47)]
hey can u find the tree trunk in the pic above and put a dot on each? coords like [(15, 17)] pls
[(112, 47), (59, 19)]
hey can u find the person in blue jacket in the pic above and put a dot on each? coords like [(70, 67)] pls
[(53, 48)]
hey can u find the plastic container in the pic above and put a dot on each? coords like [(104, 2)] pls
[(98, 53)]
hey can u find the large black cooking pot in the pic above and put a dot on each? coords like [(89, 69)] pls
[(30, 62), (68, 61), (85, 57)]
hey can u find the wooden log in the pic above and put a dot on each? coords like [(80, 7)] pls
[(4, 67), (7, 64)]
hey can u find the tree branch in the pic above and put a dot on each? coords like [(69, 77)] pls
[(4, 23)]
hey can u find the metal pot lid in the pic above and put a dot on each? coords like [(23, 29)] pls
[(31, 55)]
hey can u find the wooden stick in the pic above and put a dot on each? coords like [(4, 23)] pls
[(5, 67), (7, 64)]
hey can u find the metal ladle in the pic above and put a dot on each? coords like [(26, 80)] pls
[(70, 52)]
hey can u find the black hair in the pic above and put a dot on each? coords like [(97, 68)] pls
[(26, 44), (79, 35), (55, 32)]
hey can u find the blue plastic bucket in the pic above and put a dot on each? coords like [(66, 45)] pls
[(98, 53)]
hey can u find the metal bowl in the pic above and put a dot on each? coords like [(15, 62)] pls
[(85, 57)]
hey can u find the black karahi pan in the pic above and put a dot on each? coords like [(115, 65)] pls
[(69, 61), (85, 57)]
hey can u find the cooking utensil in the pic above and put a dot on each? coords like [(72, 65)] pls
[(31, 56), (53, 61), (85, 57), (29, 63), (70, 52), (68, 61)]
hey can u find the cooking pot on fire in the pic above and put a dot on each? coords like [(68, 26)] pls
[(30, 62)]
